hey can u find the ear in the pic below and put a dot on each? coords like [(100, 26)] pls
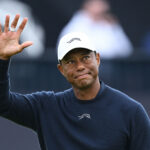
[(98, 59), (60, 68)]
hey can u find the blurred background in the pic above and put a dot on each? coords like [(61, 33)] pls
[(127, 69)]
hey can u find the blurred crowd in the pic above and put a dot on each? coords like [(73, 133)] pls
[(94, 17), (97, 21)]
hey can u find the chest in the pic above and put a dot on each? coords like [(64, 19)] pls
[(85, 127)]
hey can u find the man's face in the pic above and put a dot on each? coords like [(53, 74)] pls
[(80, 67)]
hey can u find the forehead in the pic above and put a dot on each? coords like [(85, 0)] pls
[(78, 51)]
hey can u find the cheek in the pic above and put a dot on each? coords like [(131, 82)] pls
[(68, 74), (94, 70)]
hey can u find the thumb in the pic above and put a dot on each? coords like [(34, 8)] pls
[(25, 44)]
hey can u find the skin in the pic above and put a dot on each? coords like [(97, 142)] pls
[(80, 67), (9, 41)]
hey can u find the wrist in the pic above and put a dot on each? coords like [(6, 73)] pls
[(4, 58)]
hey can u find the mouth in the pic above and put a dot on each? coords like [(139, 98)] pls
[(82, 76)]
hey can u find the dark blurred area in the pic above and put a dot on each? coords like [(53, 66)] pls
[(133, 15), (130, 75)]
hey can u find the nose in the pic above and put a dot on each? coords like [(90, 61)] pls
[(80, 66)]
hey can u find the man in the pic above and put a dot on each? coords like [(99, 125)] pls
[(89, 116), (96, 20)]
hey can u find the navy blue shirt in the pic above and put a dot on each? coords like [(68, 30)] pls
[(110, 121)]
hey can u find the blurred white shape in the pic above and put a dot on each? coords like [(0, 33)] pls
[(33, 31), (107, 35)]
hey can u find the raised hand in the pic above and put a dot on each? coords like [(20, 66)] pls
[(9, 40)]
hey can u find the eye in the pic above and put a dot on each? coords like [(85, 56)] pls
[(86, 57), (70, 61)]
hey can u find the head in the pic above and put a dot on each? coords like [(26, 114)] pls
[(78, 61), (96, 8)]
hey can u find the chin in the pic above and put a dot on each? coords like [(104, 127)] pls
[(84, 84)]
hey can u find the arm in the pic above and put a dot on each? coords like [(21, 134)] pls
[(13, 106), (140, 130)]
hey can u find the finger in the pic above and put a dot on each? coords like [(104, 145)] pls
[(15, 21), (6, 26), (22, 25), (25, 44)]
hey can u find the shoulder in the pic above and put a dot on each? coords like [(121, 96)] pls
[(121, 99), (124, 105), (64, 94), (48, 95), (45, 99)]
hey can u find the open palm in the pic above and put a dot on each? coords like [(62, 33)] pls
[(9, 40)]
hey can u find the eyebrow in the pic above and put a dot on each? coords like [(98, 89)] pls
[(86, 52)]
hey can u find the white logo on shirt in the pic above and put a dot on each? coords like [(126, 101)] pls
[(84, 116)]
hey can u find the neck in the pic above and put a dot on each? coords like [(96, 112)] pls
[(87, 93)]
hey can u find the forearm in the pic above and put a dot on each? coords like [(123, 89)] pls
[(4, 85), (4, 65), (14, 106)]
